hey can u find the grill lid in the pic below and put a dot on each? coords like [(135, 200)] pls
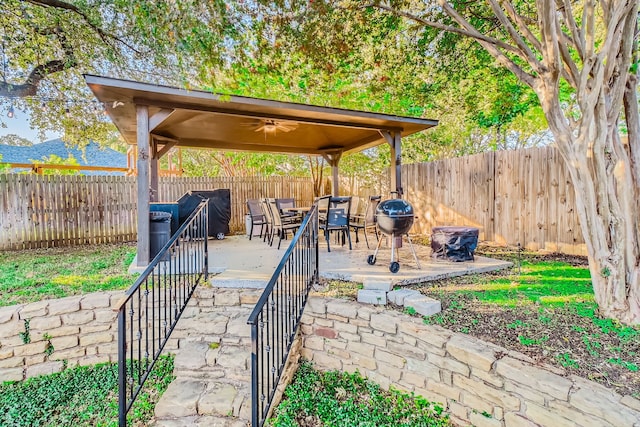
[(394, 216), (394, 208)]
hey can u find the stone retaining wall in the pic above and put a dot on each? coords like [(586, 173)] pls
[(478, 383), (83, 330)]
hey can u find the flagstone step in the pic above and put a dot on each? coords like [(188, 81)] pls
[(211, 366)]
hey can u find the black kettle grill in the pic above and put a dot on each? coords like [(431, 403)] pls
[(394, 218)]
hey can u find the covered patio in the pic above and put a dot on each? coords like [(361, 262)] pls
[(157, 118), (230, 267)]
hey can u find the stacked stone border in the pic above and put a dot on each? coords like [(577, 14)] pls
[(83, 330), (476, 382)]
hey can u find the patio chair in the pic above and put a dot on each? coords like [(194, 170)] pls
[(367, 220), (283, 205), (337, 219), (257, 215), (268, 234), (323, 207), (281, 224)]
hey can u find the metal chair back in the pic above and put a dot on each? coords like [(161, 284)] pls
[(323, 208), (268, 235), (370, 212), (285, 203), (255, 209), (339, 212)]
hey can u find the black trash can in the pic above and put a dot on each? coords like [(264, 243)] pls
[(159, 233), (172, 208)]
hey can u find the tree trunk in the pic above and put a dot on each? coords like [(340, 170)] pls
[(606, 191)]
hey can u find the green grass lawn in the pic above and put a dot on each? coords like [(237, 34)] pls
[(33, 275), (341, 399), (78, 397)]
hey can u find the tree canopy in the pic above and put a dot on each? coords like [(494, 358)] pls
[(253, 49)]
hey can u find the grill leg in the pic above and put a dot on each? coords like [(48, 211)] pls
[(375, 254), (393, 248), (413, 251)]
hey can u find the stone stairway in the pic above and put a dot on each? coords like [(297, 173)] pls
[(212, 385)]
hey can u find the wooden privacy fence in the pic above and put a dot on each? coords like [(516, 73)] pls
[(46, 211), (523, 196)]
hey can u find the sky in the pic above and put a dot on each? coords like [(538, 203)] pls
[(19, 125)]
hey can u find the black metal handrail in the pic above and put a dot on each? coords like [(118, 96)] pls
[(275, 318), (152, 306)]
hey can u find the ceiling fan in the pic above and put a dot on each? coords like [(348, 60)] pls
[(270, 126)]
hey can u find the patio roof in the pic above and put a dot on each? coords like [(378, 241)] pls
[(199, 119), (156, 118)]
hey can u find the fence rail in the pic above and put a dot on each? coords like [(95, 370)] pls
[(153, 305), (50, 211), (276, 316)]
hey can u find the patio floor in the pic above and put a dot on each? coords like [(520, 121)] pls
[(238, 262)]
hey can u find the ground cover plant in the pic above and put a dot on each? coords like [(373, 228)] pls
[(33, 275), (336, 398), (543, 307), (81, 396)]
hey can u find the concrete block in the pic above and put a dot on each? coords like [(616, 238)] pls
[(346, 309), (424, 305), (534, 377), (377, 284), (44, 369), (398, 296), (372, 296)]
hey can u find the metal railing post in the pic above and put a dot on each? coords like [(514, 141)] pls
[(163, 289), (275, 319), (122, 371)]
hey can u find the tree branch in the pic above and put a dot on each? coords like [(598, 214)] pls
[(492, 45), (570, 70), (524, 49), (576, 33), (440, 26), (31, 83), (104, 36), (523, 24)]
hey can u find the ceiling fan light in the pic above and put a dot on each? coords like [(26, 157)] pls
[(270, 128)]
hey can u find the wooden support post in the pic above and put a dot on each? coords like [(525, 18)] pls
[(154, 170), (394, 140), (335, 191), (142, 116), (333, 159), (396, 164)]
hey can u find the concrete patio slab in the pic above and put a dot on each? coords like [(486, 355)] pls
[(238, 262)]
